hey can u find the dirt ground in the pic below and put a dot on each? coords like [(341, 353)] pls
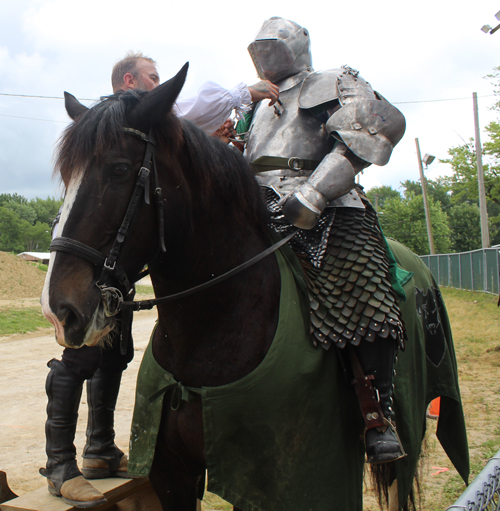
[(23, 372)]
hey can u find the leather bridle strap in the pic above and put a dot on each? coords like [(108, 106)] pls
[(149, 304), (62, 244)]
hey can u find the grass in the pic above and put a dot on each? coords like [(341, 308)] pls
[(21, 321), (475, 322)]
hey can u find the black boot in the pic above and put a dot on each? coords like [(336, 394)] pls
[(101, 457), (64, 391), (381, 439)]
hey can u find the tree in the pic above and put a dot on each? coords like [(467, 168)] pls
[(379, 195), (23, 210), (404, 220), (46, 209), (464, 220), (464, 185), (12, 197), (11, 231), (439, 190), (36, 238)]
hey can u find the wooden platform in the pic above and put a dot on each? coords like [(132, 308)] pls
[(122, 495)]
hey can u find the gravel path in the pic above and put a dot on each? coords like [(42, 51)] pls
[(23, 370)]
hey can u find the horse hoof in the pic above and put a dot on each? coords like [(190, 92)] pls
[(78, 492)]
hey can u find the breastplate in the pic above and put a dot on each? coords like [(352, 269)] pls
[(293, 133)]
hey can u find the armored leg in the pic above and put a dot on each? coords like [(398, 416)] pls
[(373, 367), (64, 390), (101, 457)]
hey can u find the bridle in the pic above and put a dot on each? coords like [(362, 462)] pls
[(112, 297)]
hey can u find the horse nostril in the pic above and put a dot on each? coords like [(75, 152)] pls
[(70, 318), (63, 314)]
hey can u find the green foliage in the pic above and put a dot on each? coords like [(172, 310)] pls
[(404, 220), (464, 222), (11, 228), (12, 197), (23, 210), (463, 182), (25, 225), (438, 190), (379, 195), (46, 209)]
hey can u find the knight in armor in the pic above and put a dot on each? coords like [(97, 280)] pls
[(306, 151)]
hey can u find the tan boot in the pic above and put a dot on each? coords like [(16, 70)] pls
[(94, 468), (78, 492)]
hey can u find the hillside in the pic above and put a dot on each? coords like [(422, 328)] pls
[(18, 278)]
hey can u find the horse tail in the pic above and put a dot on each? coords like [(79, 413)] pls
[(383, 476)]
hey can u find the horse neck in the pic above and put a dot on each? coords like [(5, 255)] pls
[(217, 335)]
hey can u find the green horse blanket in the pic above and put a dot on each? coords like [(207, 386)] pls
[(289, 436)]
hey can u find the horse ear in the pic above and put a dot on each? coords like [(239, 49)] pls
[(73, 106), (156, 104)]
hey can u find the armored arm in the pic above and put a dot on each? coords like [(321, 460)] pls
[(364, 127)]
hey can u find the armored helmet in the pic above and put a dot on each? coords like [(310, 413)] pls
[(280, 49)]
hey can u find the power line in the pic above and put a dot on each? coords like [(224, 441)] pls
[(41, 97), (394, 102), (32, 118), (438, 100), (93, 99)]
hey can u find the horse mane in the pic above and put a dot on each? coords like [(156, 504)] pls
[(219, 171), (222, 174)]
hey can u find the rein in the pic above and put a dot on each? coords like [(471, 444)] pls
[(112, 297)]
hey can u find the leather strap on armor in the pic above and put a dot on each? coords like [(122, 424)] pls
[(368, 402), (265, 163)]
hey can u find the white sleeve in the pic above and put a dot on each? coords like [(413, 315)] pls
[(213, 105)]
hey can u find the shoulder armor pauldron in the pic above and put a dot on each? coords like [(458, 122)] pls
[(319, 88), (325, 86)]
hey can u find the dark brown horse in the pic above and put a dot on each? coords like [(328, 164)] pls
[(214, 220)]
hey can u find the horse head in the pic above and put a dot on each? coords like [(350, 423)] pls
[(100, 161)]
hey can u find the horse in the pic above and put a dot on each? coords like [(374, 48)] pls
[(145, 188)]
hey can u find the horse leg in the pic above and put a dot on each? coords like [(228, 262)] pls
[(176, 489), (393, 504)]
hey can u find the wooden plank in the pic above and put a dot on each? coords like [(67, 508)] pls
[(5, 492), (122, 495)]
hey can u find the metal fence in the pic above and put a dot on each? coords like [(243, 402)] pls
[(477, 270), (483, 494)]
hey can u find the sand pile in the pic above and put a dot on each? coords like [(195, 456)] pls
[(19, 279)]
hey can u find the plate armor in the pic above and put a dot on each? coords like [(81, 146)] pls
[(306, 152)]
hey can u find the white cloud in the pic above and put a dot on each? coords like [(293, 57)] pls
[(408, 51)]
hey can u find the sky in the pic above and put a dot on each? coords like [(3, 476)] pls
[(424, 57)]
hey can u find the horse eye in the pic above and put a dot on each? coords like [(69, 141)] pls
[(121, 169)]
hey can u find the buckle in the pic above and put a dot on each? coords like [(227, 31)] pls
[(111, 298), (295, 163), (108, 266)]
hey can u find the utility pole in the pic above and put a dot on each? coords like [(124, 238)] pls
[(485, 233), (426, 203)]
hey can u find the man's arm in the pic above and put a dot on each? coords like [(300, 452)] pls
[(264, 90), (213, 104)]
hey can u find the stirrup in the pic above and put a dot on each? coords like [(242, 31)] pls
[(383, 445)]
